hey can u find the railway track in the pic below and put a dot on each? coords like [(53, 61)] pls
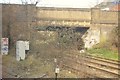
[(95, 66), (79, 72), (104, 60)]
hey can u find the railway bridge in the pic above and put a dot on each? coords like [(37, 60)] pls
[(17, 18), (94, 21)]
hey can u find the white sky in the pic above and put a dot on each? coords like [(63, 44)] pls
[(59, 3)]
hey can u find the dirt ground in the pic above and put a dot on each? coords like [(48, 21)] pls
[(32, 67)]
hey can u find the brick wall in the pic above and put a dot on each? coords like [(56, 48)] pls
[(17, 21)]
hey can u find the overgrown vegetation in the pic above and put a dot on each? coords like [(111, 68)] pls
[(44, 47), (69, 38), (113, 38), (50, 42), (108, 49)]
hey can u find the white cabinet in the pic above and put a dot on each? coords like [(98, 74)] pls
[(21, 46)]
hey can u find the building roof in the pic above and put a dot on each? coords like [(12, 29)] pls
[(104, 5), (109, 6), (115, 8)]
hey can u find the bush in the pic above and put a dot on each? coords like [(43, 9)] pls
[(68, 38), (111, 42), (113, 38)]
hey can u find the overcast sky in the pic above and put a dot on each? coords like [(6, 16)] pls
[(59, 3)]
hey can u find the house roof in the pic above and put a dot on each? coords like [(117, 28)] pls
[(104, 5), (115, 8), (110, 6)]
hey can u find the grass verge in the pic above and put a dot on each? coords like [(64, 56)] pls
[(104, 53)]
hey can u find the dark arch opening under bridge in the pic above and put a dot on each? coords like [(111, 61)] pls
[(81, 29)]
